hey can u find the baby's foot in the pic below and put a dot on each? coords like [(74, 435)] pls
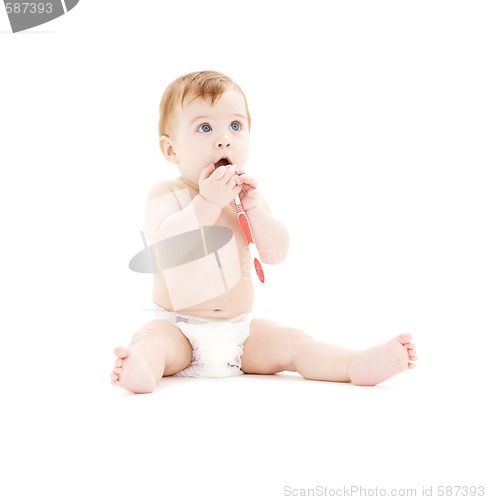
[(132, 372), (383, 361)]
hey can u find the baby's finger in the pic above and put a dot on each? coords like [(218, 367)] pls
[(230, 171), (234, 179), (206, 172), (250, 181), (219, 173)]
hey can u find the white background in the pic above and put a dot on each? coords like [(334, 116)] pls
[(368, 140)]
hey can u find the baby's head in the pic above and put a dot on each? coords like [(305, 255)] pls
[(206, 85), (204, 119)]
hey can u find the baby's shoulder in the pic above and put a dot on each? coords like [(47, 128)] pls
[(168, 195), (161, 188)]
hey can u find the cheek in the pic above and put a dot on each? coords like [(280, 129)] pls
[(245, 146), (189, 148)]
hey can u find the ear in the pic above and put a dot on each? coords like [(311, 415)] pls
[(167, 148)]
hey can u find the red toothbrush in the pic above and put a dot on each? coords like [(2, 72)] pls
[(245, 225)]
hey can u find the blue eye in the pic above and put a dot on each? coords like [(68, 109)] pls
[(235, 126), (205, 127)]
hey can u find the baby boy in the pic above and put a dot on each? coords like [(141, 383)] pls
[(203, 288)]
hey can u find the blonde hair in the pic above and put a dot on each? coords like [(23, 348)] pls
[(207, 85)]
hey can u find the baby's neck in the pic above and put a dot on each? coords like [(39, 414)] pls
[(188, 183)]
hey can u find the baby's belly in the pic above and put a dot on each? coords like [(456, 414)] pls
[(208, 277), (233, 302), (205, 271)]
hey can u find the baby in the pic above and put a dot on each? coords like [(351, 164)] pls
[(203, 271)]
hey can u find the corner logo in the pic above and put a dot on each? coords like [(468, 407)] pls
[(26, 15)]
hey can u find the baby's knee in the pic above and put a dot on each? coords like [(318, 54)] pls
[(296, 337), (292, 342), (156, 329)]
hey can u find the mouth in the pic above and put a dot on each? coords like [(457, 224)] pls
[(223, 161)]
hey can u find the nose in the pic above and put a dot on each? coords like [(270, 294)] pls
[(223, 142)]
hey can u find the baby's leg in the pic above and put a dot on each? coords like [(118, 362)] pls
[(271, 348), (158, 349)]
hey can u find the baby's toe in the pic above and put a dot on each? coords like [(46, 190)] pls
[(121, 352), (405, 338)]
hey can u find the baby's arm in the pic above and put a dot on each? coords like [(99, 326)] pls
[(271, 236), (164, 216)]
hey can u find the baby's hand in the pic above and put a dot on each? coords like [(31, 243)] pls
[(219, 186), (249, 193)]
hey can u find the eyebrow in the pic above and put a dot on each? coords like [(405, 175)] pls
[(197, 118)]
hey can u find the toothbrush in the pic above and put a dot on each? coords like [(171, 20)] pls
[(245, 225)]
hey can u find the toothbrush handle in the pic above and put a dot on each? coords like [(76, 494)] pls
[(244, 221), (245, 225)]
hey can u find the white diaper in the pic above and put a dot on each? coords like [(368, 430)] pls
[(217, 344)]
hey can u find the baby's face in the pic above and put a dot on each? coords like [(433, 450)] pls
[(205, 133)]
